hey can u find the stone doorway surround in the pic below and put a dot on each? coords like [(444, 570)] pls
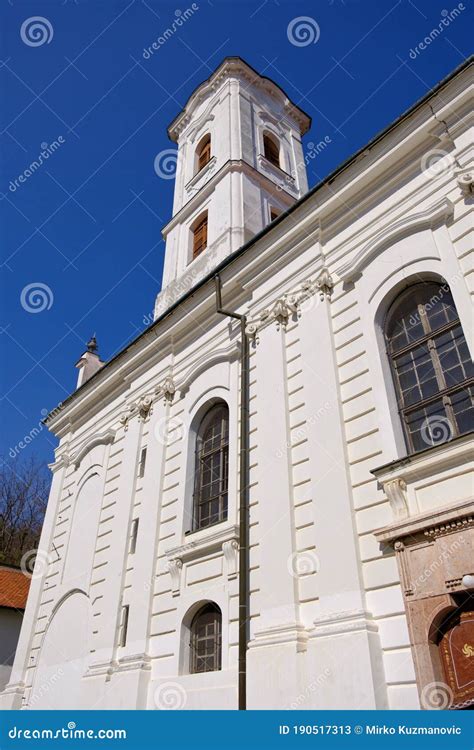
[(435, 552)]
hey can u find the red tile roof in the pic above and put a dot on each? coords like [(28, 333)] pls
[(14, 587)]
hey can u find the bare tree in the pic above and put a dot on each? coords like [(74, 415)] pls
[(24, 490)]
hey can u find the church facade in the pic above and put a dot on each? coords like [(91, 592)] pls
[(266, 499)]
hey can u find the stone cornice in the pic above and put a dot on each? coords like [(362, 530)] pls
[(223, 354), (458, 451), (288, 306), (436, 522), (235, 67), (103, 438), (203, 542), (440, 211), (232, 165)]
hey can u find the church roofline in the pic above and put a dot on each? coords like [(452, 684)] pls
[(241, 250), (231, 65)]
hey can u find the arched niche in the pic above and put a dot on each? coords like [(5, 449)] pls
[(63, 656), (83, 532)]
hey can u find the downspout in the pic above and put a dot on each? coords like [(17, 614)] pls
[(243, 496)]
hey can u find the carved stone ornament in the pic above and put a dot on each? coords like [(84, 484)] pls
[(144, 406), (466, 183), (175, 568), (126, 415), (231, 555), (167, 389), (281, 311), (290, 304), (395, 489), (325, 283)]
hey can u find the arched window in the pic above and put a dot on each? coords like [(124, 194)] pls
[(211, 468), (203, 152), (200, 236), (206, 640), (271, 149), (431, 366)]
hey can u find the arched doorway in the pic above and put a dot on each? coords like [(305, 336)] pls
[(456, 652)]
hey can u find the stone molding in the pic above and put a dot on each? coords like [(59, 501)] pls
[(203, 544), (224, 540), (196, 182), (280, 635), (289, 306), (235, 68), (434, 523), (439, 211), (143, 406), (349, 621)]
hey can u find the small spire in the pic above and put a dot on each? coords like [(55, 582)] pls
[(92, 344)]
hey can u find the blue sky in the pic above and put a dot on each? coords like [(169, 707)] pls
[(86, 225)]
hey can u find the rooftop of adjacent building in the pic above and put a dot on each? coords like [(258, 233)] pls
[(14, 587), (358, 155)]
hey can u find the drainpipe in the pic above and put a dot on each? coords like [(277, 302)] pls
[(243, 497)]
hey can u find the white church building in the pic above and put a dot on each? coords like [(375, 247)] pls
[(266, 499)]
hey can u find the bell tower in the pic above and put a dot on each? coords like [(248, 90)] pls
[(240, 164)]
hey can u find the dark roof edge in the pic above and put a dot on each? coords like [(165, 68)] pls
[(237, 253)]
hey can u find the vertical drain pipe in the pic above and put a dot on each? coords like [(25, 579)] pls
[(243, 496)]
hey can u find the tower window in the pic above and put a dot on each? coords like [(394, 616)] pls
[(206, 640), (200, 236), (432, 370), (203, 153), (271, 149)]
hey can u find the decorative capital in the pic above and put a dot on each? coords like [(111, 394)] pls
[(126, 415), (144, 406), (167, 389), (281, 311), (325, 283)]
